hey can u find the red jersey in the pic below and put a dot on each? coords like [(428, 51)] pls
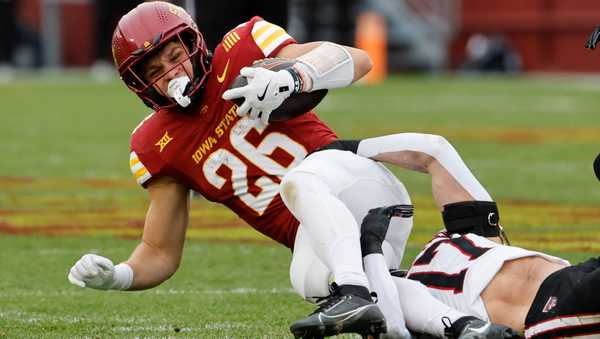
[(231, 160)]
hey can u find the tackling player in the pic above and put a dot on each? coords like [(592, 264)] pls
[(537, 294), (197, 140)]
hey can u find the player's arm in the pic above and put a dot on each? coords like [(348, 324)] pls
[(158, 255), (314, 52), (466, 205), (319, 65), (452, 181)]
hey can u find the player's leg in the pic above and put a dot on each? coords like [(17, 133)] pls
[(312, 280), (373, 186), (329, 226), (422, 312), (329, 189), (360, 184), (309, 192), (426, 314), (309, 276)]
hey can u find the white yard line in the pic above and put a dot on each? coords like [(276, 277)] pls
[(239, 290), (172, 291)]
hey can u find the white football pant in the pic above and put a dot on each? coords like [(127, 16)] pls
[(330, 193)]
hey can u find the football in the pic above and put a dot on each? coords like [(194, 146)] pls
[(293, 106)]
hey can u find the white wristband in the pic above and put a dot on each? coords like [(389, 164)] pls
[(123, 277)]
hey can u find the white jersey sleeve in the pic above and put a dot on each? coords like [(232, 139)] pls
[(456, 269)]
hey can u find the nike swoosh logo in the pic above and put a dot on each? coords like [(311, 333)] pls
[(482, 329), (261, 97), (343, 316), (221, 78)]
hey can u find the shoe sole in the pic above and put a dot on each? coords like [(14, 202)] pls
[(374, 329), (508, 334)]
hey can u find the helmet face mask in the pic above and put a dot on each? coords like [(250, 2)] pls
[(134, 43), (147, 88)]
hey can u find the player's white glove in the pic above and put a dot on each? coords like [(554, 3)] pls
[(265, 91), (98, 272)]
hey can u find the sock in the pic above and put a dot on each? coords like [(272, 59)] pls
[(422, 312), (387, 296), (396, 237)]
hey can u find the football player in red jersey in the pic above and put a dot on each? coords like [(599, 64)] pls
[(198, 139)]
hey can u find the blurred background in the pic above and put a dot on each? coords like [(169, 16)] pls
[(507, 82), (415, 35)]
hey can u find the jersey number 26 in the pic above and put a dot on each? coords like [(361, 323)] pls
[(260, 156)]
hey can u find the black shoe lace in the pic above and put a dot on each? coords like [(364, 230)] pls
[(330, 300), (447, 327), (374, 297)]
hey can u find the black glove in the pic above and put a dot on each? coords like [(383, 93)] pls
[(349, 145), (375, 226)]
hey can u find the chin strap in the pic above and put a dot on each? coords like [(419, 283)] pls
[(503, 236)]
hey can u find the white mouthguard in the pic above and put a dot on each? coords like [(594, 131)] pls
[(176, 88)]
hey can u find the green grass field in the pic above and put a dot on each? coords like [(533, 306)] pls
[(65, 189)]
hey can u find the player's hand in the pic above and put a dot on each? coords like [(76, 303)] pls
[(92, 271), (265, 91)]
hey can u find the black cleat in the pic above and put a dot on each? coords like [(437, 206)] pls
[(375, 226), (474, 328), (342, 312)]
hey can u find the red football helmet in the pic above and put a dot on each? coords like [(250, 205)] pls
[(144, 31)]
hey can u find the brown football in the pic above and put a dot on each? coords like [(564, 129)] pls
[(293, 106)]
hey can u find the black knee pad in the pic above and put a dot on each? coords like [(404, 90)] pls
[(478, 217)]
